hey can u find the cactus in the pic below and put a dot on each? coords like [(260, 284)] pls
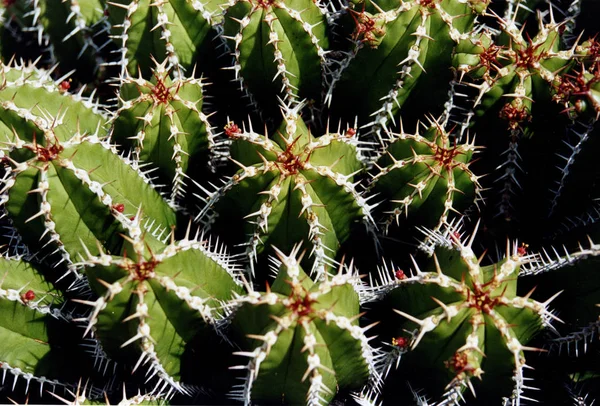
[(424, 174), (121, 130), (153, 303), (62, 182), (175, 31), (466, 320), (302, 338), (412, 42), (74, 32), (293, 42), (292, 181), (171, 131)]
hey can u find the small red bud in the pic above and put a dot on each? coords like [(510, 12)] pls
[(522, 250), (232, 129), (350, 132), (120, 207), (401, 342), (400, 274), (29, 295), (64, 85)]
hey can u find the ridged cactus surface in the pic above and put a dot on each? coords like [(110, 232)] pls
[(292, 187), (302, 338), (299, 202)]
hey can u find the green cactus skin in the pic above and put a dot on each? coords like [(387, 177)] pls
[(393, 49), (302, 338), (294, 187), (152, 303), (514, 67), (466, 320), (74, 32), (32, 103), (163, 123), (424, 178), (174, 30), (279, 49), (28, 305), (79, 195)]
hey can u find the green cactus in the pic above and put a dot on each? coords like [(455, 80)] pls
[(410, 44), (78, 195), (151, 304), (294, 187), (31, 314), (279, 49), (424, 178), (74, 32), (171, 131), (176, 31), (302, 338), (33, 103), (466, 320)]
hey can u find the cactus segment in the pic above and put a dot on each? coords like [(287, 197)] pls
[(425, 177), (163, 123), (152, 303), (302, 338), (31, 104), (28, 305), (522, 70), (393, 49), (70, 196), (292, 187), (74, 31), (174, 30), (465, 319), (279, 49)]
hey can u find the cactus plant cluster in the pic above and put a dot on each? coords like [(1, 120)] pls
[(299, 202)]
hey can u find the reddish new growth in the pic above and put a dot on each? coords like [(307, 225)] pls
[(528, 57), (489, 58), (480, 296), (45, 154), (514, 115), (400, 274), (592, 51), (522, 250), (401, 342), (572, 90), (28, 296), (161, 93), (143, 270), (366, 28), (445, 156), (300, 301), (459, 363), (288, 162), (232, 130), (350, 132), (428, 3)]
